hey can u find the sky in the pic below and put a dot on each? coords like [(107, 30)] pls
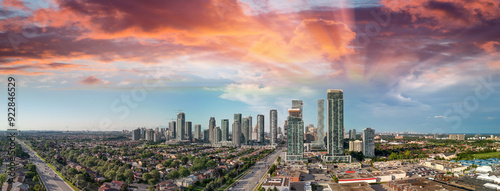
[(428, 66)]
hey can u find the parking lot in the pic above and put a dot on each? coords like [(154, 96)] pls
[(421, 171)]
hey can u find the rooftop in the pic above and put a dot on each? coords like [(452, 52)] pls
[(276, 181), (355, 175), (422, 184), (358, 186), (334, 91)]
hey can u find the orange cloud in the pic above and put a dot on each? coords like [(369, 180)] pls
[(494, 65), (314, 40), (489, 47), (16, 4)]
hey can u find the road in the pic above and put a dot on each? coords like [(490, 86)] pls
[(250, 181), (51, 180)]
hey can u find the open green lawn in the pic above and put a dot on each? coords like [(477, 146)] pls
[(487, 155)]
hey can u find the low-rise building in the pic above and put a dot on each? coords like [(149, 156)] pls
[(420, 184), (358, 186), (356, 177), (444, 165), (386, 176), (280, 183)]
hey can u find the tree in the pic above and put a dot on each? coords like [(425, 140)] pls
[(30, 174), (3, 178), (173, 174), (110, 174), (335, 179), (32, 168), (152, 181), (151, 188), (184, 159), (155, 174), (37, 187), (146, 176), (184, 172), (174, 164)]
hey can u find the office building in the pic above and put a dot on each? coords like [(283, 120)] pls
[(197, 132), (273, 114), (321, 123), (188, 131), (136, 134), (181, 126), (260, 129), (369, 142), (225, 129)]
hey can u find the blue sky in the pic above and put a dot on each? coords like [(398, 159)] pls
[(403, 65)]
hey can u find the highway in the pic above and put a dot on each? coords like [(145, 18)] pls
[(251, 180), (51, 180)]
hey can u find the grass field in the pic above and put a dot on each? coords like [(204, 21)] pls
[(487, 155)]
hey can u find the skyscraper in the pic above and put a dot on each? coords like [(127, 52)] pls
[(352, 134), (295, 143), (244, 131), (237, 118), (335, 122), (188, 131), (321, 123), (211, 129), (181, 126), (260, 128), (297, 104), (197, 132), (250, 136), (225, 129), (273, 114), (285, 128), (237, 130), (236, 134), (217, 135), (369, 142), (150, 135), (136, 134), (206, 135), (172, 128)]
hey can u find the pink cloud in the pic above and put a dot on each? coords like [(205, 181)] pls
[(91, 80)]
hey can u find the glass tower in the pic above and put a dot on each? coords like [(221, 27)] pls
[(335, 122)]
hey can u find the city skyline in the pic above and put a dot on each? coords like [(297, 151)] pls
[(408, 65)]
